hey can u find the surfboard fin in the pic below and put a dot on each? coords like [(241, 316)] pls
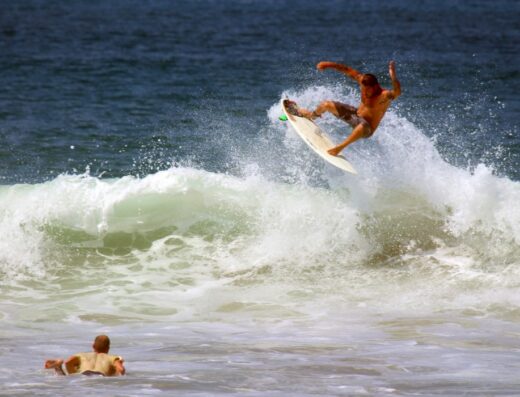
[(283, 117)]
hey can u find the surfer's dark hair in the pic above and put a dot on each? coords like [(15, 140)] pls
[(369, 80), (101, 344)]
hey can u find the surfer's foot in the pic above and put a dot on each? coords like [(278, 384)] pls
[(292, 108), (295, 110), (334, 151)]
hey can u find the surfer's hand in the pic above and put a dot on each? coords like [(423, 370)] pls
[(324, 65), (391, 69)]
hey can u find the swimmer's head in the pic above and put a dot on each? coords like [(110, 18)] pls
[(101, 344)]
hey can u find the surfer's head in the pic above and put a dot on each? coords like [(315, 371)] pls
[(101, 344), (369, 80), (370, 85)]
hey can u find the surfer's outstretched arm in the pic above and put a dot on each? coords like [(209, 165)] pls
[(396, 86), (71, 365), (56, 365), (347, 70), (119, 367)]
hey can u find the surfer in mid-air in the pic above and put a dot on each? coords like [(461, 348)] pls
[(374, 102)]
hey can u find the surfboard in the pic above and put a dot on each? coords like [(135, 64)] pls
[(317, 140)]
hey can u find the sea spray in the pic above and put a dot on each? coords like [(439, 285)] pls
[(183, 230), (285, 231)]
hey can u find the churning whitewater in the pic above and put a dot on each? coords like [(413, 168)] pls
[(409, 233)]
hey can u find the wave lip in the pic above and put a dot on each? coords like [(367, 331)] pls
[(409, 218)]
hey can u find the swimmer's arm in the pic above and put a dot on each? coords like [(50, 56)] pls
[(56, 365), (72, 364), (396, 86), (119, 366), (347, 70)]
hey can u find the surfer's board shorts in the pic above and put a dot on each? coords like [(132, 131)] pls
[(348, 114), (92, 373)]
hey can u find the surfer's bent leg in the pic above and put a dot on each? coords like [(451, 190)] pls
[(362, 130), (338, 109), (348, 114)]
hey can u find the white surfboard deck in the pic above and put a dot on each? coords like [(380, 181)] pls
[(318, 141)]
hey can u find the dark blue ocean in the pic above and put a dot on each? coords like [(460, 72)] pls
[(135, 86), (149, 191)]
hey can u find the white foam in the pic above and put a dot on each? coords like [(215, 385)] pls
[(408, 219)]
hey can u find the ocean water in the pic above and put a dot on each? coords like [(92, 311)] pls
[(148, 191)]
